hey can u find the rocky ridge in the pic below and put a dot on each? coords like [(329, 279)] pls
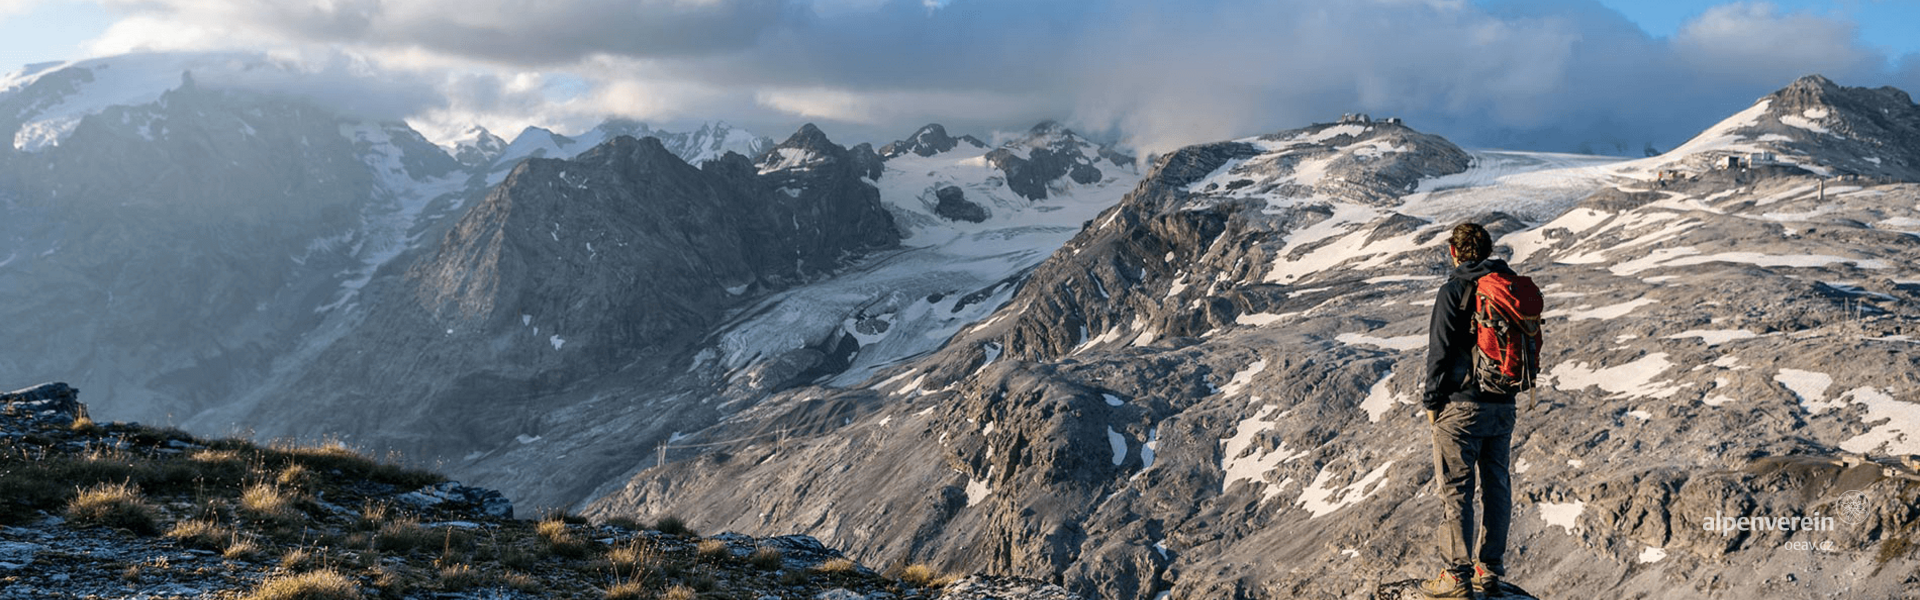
[(228, 519)]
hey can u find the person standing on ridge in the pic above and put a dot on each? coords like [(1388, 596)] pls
[(1483, 351)]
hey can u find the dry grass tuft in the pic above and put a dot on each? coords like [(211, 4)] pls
[(300, 560), (202, 534), (630, 590), (267, 503), (766, 559), (625, 522), (317, 585), (672, 525), (522, 582), (114, 505), (920, 575), (296, 476), (634, 557), (241, 548), (403, 536), (837, 566), (561, 541), (460, 577), (679, 592), (713, 550)]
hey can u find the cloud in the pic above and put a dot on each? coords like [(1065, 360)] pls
[(1749, 41), (1553, 75)]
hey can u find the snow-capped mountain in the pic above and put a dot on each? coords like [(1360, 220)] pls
[(476, 147), (1208, 391), (821, 304), (709, 142), (170, 237), (246, 221)]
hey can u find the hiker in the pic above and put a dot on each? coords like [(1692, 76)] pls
[(1483, 350)]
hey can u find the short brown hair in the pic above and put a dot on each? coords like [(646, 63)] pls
[(1471, 242)]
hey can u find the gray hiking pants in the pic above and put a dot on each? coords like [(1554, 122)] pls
[(1471, 438)]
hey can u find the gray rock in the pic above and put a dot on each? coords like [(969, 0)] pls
[(1047, 153), (1724, 344), (953, 205), (927, 141)]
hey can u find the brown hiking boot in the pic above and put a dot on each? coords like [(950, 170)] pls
[(1486, 578), (1448, 585)]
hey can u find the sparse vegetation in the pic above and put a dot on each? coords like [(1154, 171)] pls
[(402, 536), (672, 525), (561, 540), (460, 577), (634, 558), (315, 585), (766, 559), (629, 590), (116, 505), (838, 566), (712, 550), (241, 548), (300, 559), (279, 512), (920, 575), (794, 578), (626, 522), (267, 504), (679, 592)]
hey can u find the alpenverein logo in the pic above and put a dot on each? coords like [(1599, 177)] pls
[(1853, 507)]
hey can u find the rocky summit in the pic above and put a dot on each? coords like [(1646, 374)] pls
[(1208, 392)]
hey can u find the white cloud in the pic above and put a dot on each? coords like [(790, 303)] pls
[(1749, 41), (1551, 74)]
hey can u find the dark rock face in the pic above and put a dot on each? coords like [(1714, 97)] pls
[(1048, 152), (927, 141), (954, 206)]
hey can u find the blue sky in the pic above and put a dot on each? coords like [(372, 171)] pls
[(1608, 76), (1890, 24)]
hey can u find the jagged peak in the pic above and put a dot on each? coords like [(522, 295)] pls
[(928, 140), (808, 135), (805, 147)]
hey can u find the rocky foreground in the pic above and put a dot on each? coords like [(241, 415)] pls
[(120, 510)]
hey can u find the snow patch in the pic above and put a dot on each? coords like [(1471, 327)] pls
[(1565, 515), (1254, 465), (1605, 312), (1715, 337), (1405, 342), (1245, 376), (1810, 387), (1380, 399), (1321, 500), (1652, 555), (1634, 379), (1899, 434), (1119, 443)]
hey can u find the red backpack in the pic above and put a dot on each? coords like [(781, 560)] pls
[(1506, 329)]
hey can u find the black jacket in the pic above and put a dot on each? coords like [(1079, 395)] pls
[(1450, 347)]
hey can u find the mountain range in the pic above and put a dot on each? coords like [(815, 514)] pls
[(1041, 357)]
